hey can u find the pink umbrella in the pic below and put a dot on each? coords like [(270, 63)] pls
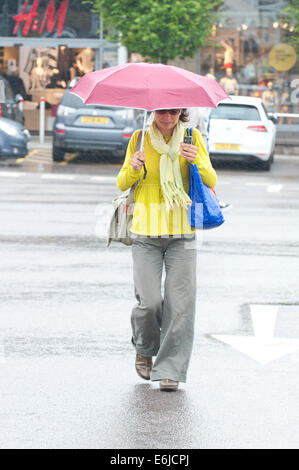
[(148, 87)]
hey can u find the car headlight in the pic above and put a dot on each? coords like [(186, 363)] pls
[(9, 129), (65, 110), (27, 134)]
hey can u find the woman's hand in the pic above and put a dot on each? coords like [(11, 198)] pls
[(137, 160), (188, 151)]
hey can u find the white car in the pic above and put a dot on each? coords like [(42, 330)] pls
[(240, 129)]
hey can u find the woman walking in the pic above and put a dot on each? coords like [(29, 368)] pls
[(163, 326)]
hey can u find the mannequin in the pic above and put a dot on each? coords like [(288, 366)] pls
[(228, 55), (229, 83), (85, 60), (270, 98), (38, 77), (211, 73), (16, 83)]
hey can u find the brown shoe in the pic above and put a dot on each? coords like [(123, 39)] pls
[(143, 366), (169, 385)]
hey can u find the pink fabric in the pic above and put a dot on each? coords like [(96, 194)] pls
[(149, 87)]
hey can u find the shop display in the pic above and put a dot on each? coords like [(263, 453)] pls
[(228, 55), (250, 54), (44, 72), (85, 61), (229, 83), (270, 98)]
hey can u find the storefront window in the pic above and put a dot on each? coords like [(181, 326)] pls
[(250, 54), (49, 43)]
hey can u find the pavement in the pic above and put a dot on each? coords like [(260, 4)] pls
[(67, 363), (35, 142)]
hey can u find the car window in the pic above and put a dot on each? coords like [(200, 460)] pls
[(236, 112), (8, 92), (69, 99), (2, 91)]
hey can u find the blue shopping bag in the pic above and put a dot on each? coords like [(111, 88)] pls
[(204, 213)]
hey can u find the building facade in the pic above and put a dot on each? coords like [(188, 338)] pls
[(250, 53), (46, 43)]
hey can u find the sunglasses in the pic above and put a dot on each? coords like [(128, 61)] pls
[(173, 112)]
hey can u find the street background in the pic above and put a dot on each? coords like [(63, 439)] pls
[(67, 370)]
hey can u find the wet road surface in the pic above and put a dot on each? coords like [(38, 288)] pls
[(67, 366)]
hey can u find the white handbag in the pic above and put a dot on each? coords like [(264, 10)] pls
[(122, 214)]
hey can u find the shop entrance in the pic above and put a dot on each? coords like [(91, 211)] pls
[(36, 71)]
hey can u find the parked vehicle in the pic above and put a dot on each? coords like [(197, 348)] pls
[(9, 104), (87, 128), (240, 129), (14, 139)]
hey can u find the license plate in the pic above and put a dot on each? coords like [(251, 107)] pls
[(227, 146), (94, 120)]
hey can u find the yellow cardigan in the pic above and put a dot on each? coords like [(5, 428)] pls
[(150, 216)]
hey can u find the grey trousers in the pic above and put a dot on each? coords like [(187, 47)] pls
[(164, 327)]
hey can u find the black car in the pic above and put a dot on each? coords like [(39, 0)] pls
[(14, 139)]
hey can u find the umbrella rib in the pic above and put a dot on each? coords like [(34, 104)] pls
[(114, 72), (193, 80), (121, 67)]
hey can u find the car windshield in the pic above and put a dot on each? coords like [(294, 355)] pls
[(236, 112)]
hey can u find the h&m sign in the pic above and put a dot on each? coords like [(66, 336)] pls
[(50, 19)]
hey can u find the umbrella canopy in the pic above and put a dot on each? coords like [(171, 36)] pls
[(149, 87)]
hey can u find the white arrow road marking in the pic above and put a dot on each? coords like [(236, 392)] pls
[(262, 347)]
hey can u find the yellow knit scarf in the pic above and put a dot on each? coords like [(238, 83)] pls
[(170, 172)]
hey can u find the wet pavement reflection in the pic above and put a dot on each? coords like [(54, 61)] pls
[(65, 302)]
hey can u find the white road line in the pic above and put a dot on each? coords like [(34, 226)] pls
[(12, 174), (256, 184), (274, 188), (109, 179), (57, 176)]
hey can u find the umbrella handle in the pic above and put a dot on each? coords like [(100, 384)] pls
[(143, 130), (142, 141)]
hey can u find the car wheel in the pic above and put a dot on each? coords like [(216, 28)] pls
[(266, 166), (58, 154)]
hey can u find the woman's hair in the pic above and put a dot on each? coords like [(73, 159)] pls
[(184, 116)]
